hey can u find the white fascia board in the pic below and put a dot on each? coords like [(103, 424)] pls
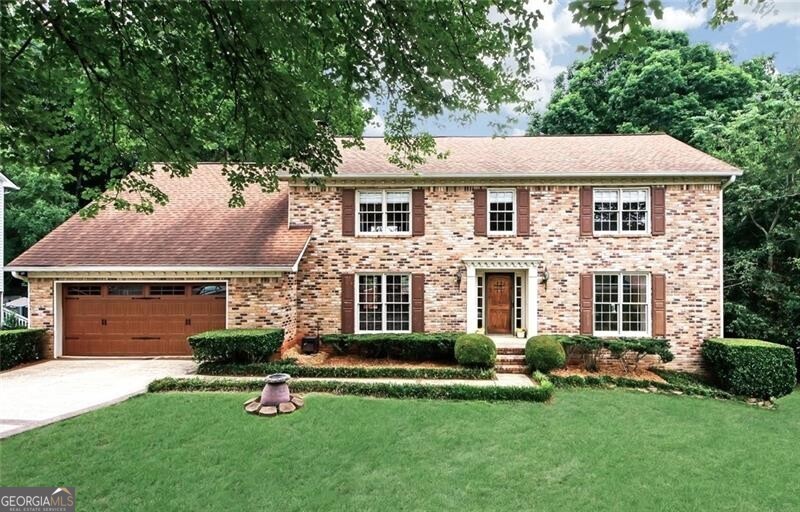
[(296, 265), (169, 268), (511, 176)]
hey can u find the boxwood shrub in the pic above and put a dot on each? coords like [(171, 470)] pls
[(19, 346), (540, 393), (236, 345), (544, 353), (475, 350), (362, 372), (411, 346), (751, 367)]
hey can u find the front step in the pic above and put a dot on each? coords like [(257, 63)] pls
[(510, 368), (513, 359), (511, 351)]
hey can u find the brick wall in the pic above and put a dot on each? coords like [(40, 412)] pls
[(688, 254), (252, 302)]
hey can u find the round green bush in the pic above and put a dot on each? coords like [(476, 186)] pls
[(544, 353), (475, 350)]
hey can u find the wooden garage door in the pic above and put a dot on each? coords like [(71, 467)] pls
[(139, 319)]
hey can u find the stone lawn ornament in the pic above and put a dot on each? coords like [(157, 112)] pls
[(275, 398)]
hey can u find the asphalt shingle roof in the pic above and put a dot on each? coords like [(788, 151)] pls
[(578, 155), (196, 228)]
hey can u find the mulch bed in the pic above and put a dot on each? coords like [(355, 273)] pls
[(613, 371), (327, 359)]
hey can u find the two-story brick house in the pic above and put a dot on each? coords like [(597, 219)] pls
[(609, 235)]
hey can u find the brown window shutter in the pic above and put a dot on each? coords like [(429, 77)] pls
[(659, 284), (348, 212), (348, 303), (586, 214), (586, 305), (658, 208), (418, 212), (480, 211), (523, 212), (418, 302)]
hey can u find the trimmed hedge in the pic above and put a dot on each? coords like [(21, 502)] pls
[(411, 346), (19, 346), (364, 372), (682, 384), (236, 345), (475, 350), (622, 348), (752, 367), (542, 393), (545, 353)]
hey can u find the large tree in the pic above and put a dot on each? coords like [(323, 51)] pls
[(746, 114), (667, 85)]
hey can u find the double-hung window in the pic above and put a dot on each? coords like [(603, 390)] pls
[(384, 212), (384, 302), (621, 210), (621, 304), (502, 210)]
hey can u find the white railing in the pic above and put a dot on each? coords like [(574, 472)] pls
[(13, 319)]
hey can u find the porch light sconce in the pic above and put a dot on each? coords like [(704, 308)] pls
[(458, 279), (544, 277)]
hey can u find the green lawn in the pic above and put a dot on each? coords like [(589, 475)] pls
[(588, 450)]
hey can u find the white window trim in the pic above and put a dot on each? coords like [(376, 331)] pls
[(648, 313), (384, 213), (357, 312), (489, 230), (619, 231)]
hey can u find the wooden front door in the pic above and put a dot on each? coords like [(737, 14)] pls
[(499, 295)]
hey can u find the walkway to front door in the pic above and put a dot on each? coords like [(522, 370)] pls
[(499, 301)]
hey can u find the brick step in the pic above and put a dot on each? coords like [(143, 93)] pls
[(510, 358), (511, 351), (513, 368)]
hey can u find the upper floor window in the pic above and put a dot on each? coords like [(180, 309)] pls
[(621, 210), (502, 208), (384, 212), (621, 304)]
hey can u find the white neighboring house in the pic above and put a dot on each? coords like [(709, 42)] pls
[(5, 184)]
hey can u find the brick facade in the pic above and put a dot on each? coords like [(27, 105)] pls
[(688, 254), (255, 302)]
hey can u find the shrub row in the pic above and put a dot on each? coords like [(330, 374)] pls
[(752, 367), (412, 346), (630, 351), (236, 345), (385, 390), (684, 386), (260, 369), (475, 350), (19, 346)]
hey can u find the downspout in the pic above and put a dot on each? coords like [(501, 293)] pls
[(22, 276), (722, 256)]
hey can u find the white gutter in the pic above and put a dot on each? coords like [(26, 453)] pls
[(511, 175), (168, 268)]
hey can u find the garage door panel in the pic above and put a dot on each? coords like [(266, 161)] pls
[(119, 325)]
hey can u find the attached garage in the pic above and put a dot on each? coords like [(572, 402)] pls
[(138, 319)]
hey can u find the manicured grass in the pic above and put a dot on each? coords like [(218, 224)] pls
[(588, 450)]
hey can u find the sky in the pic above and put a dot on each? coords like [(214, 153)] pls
[(774, 32)]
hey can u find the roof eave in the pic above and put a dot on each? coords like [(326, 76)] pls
[(551, 175), (151, 268)]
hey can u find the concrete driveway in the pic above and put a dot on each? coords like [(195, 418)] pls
[(54, 390)]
